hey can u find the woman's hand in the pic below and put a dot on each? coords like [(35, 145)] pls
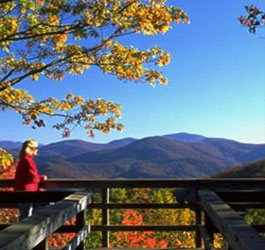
[(43, 178)]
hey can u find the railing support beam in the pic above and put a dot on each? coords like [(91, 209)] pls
[(237, 233), (105, 217)]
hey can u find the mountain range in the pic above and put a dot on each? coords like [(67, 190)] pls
[(170, 156), (248, 170)]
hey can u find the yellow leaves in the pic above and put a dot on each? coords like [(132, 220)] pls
[(163, 81), (27, 5), (6, 160), (128, 63), (33, 19), (35, 77), (53, 20), (23, 10), (34, 114), (87, 17), (9, 62), (60, 40), (164, 59), (41, 34), (66, 106), (164, 28), (8, 25), (88, 116), (6, 7), (16, 98), (79, 100)]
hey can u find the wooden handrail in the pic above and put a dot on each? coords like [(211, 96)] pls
[(33, 231), (237, 233), (240, 199), (203, 183)]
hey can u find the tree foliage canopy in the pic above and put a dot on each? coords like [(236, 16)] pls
[(55, 37)]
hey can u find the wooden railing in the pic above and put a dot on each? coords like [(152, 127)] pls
[(33, 232), (220, 216), (210, 197)]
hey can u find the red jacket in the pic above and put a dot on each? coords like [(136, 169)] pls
[(27, 177)]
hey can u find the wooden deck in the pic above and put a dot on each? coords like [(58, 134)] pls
[(216, 205)]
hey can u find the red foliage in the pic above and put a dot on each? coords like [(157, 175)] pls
[(136, 239), (254, 19), (8, 215), (61, 240)]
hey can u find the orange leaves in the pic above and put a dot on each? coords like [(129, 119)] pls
[(136, 239), (35, 77), (164, 59), (148, 19), (60, 40)]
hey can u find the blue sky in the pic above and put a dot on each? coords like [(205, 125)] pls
[(216, 83)]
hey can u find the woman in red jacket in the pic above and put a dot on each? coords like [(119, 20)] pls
[(27, 177)]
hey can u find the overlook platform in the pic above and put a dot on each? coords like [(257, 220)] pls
[(217, 205)]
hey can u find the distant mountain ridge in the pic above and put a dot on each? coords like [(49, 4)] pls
[(185, 137), (249, 170), (169, 156)]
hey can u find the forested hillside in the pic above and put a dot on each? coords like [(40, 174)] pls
[(177, 155)]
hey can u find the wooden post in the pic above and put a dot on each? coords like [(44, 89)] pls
[(198, 214), (209, 227), (105, 217), (81, 222), (42, 245)]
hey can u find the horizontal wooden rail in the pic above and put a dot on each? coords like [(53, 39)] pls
[(30, 232), (209, 183), (28, 196), (242, 206), (144, 205), (129, 248), (167, 183), (161, 228), (242, 195), (237, 233), (236, 193)]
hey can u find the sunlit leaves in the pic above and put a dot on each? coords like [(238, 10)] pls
[(7, 171), (54, 37), (6, 161), (51, 27), (129, 63), (136, 239)]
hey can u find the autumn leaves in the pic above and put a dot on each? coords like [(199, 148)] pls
[(50, 38)]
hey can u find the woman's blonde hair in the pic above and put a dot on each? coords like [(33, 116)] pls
[(28, 147)]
